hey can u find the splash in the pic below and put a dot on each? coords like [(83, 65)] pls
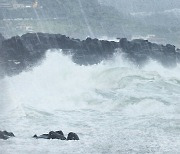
[(60, 84)]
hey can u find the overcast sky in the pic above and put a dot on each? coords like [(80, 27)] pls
[(143, 5)]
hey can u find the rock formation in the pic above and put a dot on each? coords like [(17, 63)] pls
[(72, 136), (52, 135), (20, 53), (6, 135), (57, 135)]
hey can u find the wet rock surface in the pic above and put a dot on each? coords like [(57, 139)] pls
[(6, 135), (72, 136), (21, 53), (57, 135)]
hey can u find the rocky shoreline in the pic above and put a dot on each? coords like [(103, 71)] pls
[(20, 53)]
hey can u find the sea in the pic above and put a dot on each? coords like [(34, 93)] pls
[(115, 107)]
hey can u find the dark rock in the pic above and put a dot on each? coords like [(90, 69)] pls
[(35, 136), (43, 136), (56, 135), (21, 53), (72, 136), (51, 135), (140, 51), (9, 134), (60, 132), (6, 135)]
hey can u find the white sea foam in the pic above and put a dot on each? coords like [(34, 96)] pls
[(114, 106), (61, 84)]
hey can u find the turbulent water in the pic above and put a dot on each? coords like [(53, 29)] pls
[(114, 107)]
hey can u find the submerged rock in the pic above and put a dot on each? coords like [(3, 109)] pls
[(57, 135), (72, 136), (52, 135), (6, 135)]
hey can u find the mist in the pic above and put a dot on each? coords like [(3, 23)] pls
[(157, 21), (107, 71)]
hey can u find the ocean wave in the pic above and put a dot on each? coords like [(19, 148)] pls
[(60, 84)]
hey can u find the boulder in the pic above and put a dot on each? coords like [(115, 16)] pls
[(72, 136), (56, 135), (6, 135)]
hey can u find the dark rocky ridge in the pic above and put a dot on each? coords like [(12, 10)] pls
[(20, 53)]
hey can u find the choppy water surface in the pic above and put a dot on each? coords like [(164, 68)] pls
[(114, 107)]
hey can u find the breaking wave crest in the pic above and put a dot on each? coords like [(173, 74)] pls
[(60, 84)]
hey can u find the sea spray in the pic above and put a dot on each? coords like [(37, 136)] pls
[(114, 106), (58, 83)]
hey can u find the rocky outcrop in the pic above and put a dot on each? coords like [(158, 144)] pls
[(52, 135), (6, 135), (72, 136), (140, 51), (21, 53), (57, 135)]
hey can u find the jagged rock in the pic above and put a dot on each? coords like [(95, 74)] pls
[(6, 135), (52, 135), (57, 135), (21, 53), (72, 136), (140, 51)]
